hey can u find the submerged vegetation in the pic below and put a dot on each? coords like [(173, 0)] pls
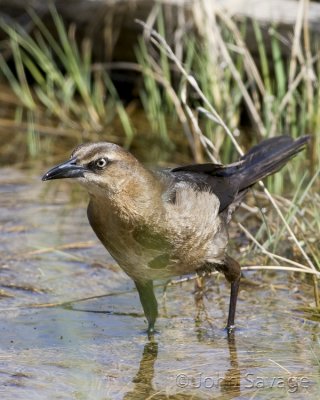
[(202, 98)]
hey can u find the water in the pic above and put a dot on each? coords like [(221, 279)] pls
[(54, 348)]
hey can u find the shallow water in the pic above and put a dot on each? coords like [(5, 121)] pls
[(53, 348)]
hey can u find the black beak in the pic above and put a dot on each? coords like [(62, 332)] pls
[(68, 169)]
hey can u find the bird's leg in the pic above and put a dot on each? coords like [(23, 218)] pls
[(232, 272), (149, 303)]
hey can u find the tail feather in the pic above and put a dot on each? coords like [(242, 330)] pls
[(230, 182), (267, 158)]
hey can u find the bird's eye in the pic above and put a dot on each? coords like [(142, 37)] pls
[(101, 162)]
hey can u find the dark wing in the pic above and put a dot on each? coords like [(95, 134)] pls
[(217, 180), (230, 182)]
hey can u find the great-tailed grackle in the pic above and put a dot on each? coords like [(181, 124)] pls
[(159, 224)]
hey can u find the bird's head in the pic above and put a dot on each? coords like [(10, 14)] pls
[(102, 168)]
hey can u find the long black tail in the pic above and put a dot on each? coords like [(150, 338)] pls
[(230, 182), (267, 158)]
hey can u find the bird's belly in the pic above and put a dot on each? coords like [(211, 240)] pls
[(145, 252), (141, 262)]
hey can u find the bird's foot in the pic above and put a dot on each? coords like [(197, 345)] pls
[(151, 331), (230, 329)]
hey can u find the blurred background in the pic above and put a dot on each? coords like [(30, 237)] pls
[(173, 81), (86, 70)]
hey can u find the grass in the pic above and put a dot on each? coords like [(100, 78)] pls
[(64, 87), (55, 78), (194, 98)]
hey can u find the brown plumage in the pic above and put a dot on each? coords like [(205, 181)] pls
[(159, 224)]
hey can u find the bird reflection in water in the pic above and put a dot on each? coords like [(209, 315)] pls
[(143, 388)]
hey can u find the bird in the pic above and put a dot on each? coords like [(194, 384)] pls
[(162, 223)]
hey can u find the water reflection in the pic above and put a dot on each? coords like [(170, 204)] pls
[(231, 381), (143, 379)]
